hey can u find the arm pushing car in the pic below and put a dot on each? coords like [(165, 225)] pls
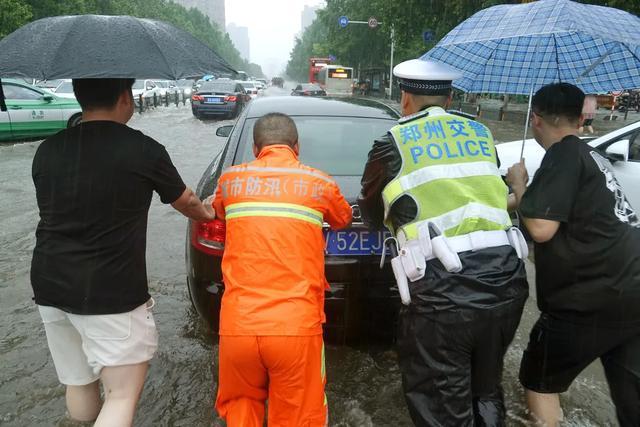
[(433, 181), (272, 313), (94, 184)]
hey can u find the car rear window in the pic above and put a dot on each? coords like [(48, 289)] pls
[(218, 87), (336, 145)]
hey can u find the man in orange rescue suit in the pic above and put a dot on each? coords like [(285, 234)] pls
[(273, 268), (433, 180)]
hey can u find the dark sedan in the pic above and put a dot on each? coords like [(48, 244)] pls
[(335, 136), (308, 89), (224, 99)]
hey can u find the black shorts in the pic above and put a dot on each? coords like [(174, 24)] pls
[(559, 350), (587, 122)]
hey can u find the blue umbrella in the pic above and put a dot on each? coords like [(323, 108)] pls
[(516, 49)]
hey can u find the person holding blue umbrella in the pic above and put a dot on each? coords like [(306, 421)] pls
[(433, 181), (587, 255)]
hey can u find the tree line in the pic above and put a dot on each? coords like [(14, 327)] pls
[(16, 13), (360, 47)]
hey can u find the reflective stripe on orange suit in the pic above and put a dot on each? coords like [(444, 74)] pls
[(273, 271)]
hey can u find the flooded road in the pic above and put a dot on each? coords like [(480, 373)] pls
[(363, 383)]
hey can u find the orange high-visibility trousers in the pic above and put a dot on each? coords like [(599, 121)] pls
[(289, 371)]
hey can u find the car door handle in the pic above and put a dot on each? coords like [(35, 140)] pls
[(14, 107)]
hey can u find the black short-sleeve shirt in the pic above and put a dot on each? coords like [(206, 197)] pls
[(94, 185), (590, 270)]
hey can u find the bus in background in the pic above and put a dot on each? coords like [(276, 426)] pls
[(336, 80), (315, 65), (241, 75)]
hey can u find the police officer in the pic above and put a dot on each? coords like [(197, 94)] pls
[(433, 181)]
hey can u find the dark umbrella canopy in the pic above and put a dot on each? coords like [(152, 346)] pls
[(98, 46)]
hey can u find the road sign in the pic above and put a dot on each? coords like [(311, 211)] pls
[(343, 21), (332, 58), (427, 36), (373, 22)]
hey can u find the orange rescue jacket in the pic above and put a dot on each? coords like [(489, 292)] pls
[(273, 263)]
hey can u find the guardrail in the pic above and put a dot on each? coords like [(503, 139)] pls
[(498, 114), (144, 103)]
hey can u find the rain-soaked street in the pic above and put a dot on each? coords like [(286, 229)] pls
[(363, 383)]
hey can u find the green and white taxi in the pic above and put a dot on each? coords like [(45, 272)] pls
[(34, 113)]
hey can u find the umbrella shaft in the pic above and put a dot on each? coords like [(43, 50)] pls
[(526, 124)]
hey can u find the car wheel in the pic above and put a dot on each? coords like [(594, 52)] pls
[(75, 120)]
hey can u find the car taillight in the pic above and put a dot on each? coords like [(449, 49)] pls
[(209, 237), (197, 98), (230, 98)]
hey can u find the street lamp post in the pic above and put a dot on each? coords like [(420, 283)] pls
[(343, 21)]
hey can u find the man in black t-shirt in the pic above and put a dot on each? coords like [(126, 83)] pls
[(94, 184), (587, 255)]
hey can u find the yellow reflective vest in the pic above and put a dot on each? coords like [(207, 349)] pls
[(449, 168)]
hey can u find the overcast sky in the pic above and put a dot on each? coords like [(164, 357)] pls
[(273, 25)]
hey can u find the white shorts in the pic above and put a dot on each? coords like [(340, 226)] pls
[(81, 345)]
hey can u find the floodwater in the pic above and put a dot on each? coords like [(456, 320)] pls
[(363, 383)]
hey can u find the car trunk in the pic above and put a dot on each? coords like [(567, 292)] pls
[(358, 299), (213, 97)]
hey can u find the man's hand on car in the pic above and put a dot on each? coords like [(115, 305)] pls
[(208, 206), (190, 206)]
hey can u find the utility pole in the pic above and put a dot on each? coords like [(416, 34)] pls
[(391, 65)]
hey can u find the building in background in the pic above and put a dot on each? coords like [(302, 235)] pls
[(213, 9), (307, 17), (240, 38)]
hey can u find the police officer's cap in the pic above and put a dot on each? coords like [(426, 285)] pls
[(425, 77)]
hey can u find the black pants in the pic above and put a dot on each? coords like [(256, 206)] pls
[(451, 363), (560, 349)]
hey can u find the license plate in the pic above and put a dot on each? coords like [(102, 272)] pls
[(210, 100), (354, 242)]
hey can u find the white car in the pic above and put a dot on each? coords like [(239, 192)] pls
[(261, 87), (251, 89), (165, 86), (185, 86), (146, 88), (622, 147)]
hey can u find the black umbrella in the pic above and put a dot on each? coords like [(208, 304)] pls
[(99, 46)]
